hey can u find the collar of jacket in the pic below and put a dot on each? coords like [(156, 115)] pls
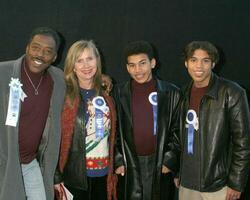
[(67, 122), (160, 87), (213, 87)]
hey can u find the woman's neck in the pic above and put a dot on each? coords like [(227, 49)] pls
[(86, 84)]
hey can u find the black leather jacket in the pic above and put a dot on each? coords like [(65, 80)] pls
[(167, 123), (74, 171), (224, 130)]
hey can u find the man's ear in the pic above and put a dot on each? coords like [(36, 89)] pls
[(27, 49), (54, 59), (153, 63), (127, 66), (213, 65), (186, 64)]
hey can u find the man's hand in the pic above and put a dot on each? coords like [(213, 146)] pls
[(232, 194), (106, 84), (120, 170), (177, 182), (165, 170), (60, 195)]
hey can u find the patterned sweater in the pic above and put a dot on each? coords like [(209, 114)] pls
[(97, 146)]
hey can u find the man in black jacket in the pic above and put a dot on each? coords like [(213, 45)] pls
[(147, 116), (215, 130)]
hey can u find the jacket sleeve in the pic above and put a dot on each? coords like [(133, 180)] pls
[(172, 155), (119, 149), (58, 177), (239, 119)]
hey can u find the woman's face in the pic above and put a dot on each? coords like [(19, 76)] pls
[(86, 66)]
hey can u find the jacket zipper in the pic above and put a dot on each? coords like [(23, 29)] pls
[(199, 134)]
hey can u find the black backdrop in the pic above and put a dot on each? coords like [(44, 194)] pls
[(168, 24)]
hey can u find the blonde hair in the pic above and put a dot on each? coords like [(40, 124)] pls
[(71, 80)]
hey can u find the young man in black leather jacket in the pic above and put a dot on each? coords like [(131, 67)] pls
[(215, 130), (147, 111)]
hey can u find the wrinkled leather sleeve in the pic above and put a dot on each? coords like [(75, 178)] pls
[(171, 157), (240, 130), (119, 155)]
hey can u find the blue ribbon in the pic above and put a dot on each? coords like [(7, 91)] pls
[(99, 105), (155, 118), (190, 138), (15, 97), (191, 119), (153, 100), (99, 126)]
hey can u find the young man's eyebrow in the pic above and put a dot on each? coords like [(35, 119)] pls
[(138, 62), (202, 58)]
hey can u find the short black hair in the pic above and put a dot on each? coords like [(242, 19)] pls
[(203, 45), (138, 47), (48, 32)]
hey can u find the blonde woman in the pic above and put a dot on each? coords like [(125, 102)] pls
[(88, 128)]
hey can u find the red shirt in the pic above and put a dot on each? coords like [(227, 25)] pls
[(196, 96), (143, 122), (34, 113)]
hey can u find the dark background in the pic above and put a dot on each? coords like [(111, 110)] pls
[(168, 24)]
